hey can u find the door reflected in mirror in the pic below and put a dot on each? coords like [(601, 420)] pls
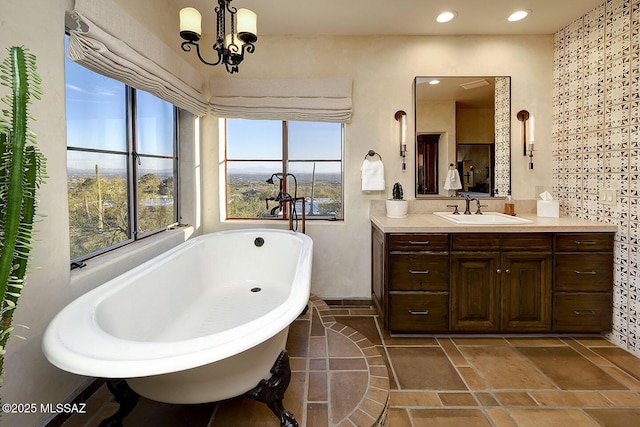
[(462, 124)]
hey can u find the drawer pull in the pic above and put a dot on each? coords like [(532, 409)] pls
[(584, 242), (585, 272), (419, 313), (584, 312), (412, 242), (419, 271)]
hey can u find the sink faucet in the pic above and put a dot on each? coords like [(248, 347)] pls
[(479, 206), (467, 200)]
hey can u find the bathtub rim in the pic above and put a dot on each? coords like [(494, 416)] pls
[(69, 351)]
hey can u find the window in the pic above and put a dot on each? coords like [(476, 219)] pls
[(311, 151), (121, 162)]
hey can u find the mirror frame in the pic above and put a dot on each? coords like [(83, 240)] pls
[(502, 149)]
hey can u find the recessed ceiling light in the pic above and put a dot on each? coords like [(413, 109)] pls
[(434, 82), (446, 16), (518, 15)]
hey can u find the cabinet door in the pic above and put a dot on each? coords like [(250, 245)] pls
[(377, 267), (526, 292), (475, 292)]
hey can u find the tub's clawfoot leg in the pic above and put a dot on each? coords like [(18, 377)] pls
[(127, 399), (271, 391)]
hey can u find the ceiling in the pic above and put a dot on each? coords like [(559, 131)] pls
[(401, 17)]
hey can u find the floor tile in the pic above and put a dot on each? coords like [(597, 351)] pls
[(617, 417), (569, 370), (550, 418), (424, 368), (347, 389), (515, 398), (366, 325), (414, 398), (399, 418), (623, 398), (512, 381), (500, 418), (449, 418), (457, 399), (513, 372), (621, 358), (568, 398)]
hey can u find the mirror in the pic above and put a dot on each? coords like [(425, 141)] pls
[(463, 134)]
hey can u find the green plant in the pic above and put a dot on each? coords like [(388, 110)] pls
[(22, 171), (397, 193)]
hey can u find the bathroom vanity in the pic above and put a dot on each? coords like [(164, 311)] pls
[(552, 275)]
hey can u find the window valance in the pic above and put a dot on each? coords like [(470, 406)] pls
[(323, 100), (109, 41)]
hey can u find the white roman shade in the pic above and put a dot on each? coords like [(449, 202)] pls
[(109, 41), (322, 100)]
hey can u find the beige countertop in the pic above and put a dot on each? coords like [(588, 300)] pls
[(430, 223)]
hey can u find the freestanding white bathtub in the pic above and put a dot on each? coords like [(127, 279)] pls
[(202, 322)]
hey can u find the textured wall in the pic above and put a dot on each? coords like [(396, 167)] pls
[(596, 139)]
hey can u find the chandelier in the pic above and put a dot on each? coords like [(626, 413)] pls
[(231, 46)]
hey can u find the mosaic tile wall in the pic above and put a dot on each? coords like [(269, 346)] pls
[(503, 140), (596, 140)]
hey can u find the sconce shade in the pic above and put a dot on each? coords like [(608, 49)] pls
[(190, 24), (401, 116), (247, 23)]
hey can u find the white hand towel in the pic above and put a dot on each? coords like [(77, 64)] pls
[(453, 180), (372, 175)]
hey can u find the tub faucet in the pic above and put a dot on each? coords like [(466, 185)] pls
[(467, 201)]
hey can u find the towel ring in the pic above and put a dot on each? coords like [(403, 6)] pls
[(372, 153)]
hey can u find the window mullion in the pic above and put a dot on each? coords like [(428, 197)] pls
[(285, 159), (131, 163)]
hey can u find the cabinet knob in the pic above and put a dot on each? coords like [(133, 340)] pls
[(498, 271), (418, 313), (507, 271), (419, 271), (413, 242), (584, 242)]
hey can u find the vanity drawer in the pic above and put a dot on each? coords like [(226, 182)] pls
[(501, 241), (582, 312), (583, 272), (584, 242), (418, 242), (419, 312), (419, 271)]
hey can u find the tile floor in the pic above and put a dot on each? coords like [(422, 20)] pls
[(339, 379)]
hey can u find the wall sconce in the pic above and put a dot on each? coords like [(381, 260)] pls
[(527, 149), (401, 117)]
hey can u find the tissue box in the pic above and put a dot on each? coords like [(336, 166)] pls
[(549, 208)]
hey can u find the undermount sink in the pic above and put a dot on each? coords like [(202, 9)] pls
[(488, 218)]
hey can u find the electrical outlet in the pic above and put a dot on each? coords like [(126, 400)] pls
[(608, 196)]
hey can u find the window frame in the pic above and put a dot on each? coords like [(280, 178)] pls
[(284, 162), (132, 159)]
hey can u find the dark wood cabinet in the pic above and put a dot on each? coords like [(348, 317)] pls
[(493, 282), (583, 292), (475, 297), (412, 287), (496, 286)]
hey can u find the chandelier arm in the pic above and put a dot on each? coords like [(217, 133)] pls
[(227, 5), (187, 47)]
